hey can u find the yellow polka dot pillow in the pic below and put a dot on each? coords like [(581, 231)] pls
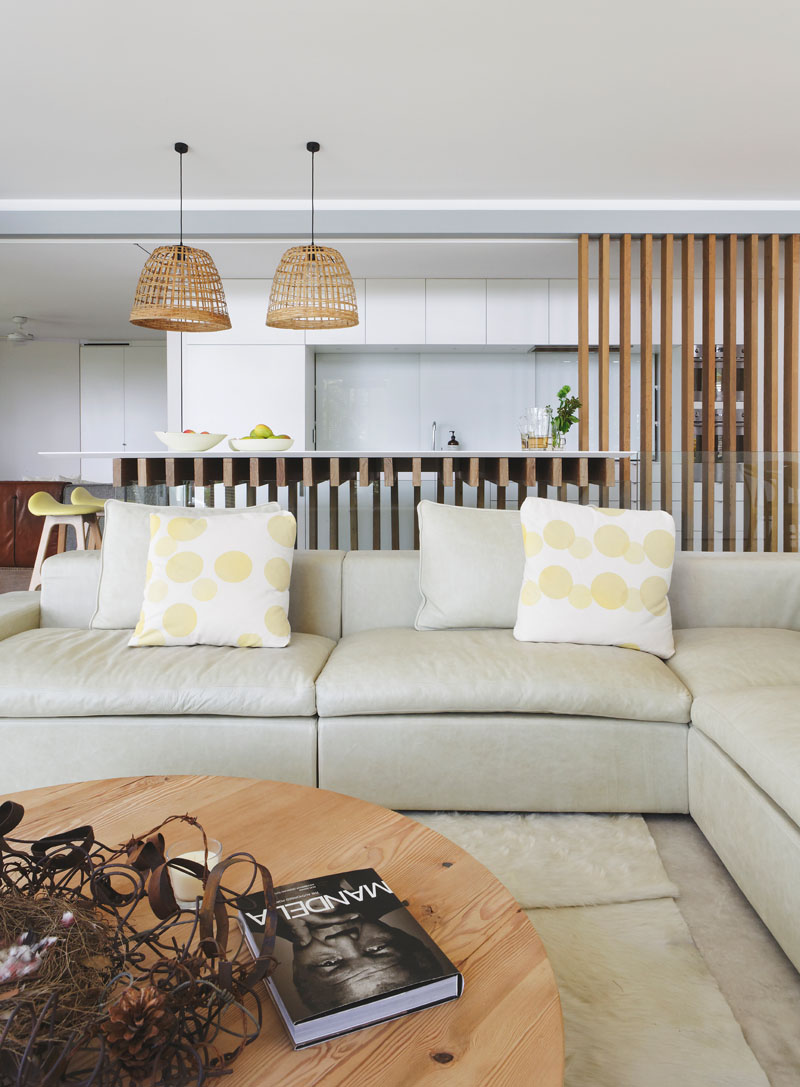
[(596, 576), (218, 581)]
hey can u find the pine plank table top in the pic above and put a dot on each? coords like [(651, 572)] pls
[(505, 1030)]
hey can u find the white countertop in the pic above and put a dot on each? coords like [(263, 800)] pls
[(221, 451)]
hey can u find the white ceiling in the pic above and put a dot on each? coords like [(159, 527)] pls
[(419, 99), (422, 100)]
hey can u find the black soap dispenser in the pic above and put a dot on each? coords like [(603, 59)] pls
[(453, 443)]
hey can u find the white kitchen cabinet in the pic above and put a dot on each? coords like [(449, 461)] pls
[(145, 399), (395, 311), (248, 300), (230, 389), (356, 334), (517, 311), (455, 311), (123, 401)]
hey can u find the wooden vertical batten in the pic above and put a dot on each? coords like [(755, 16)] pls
[(625, 366), (708, 398), (729, 248), (646, 372), (687, 392), (770, 433), (603, 346), (791, 284), (665, 373), (583, 341), (750, 467)]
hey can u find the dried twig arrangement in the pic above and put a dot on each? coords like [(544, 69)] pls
[(104, 982)]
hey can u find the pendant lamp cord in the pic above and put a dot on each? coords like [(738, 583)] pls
[(181, 197), (312, 199)]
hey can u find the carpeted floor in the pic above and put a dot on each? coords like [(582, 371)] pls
[(642, 1005)]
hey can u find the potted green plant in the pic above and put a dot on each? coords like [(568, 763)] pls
[(565, 415)]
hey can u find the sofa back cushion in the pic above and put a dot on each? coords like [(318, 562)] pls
[(123, 562), (735, 590), (380, 589), (461, 581), (69, 591)]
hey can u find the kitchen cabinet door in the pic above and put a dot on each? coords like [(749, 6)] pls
[(145, 399), (455, 311), (517, 311), (395, 311), (356, 334), (248, 300)]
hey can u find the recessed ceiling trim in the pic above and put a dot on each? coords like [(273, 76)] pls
[(501, 223)]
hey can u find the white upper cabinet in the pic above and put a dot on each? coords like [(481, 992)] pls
[(517, 311), (248, 300), (356, 334), (455, 311), (395, 311)]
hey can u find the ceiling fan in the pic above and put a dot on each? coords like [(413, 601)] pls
[(19, 335)]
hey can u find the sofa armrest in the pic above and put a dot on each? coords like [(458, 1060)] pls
[(18, 612)]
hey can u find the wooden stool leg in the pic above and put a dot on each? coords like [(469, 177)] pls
[(94, 539), (61, 544), (36, 573)]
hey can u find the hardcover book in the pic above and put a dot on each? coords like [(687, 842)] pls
[(349, 955)]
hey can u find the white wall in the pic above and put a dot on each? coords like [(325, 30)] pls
[(39, 409)]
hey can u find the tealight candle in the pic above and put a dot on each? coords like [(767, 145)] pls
[(188, 888)]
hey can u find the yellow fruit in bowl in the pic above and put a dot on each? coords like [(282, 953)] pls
[(287, 436), (261, 431)]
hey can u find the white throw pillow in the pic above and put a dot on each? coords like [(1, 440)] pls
[(126, 538), (470, 565), (218, 580), (596, 576)]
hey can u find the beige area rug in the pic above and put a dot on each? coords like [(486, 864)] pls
[(640, 1007)]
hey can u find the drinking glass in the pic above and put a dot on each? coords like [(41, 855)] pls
[(538, 428)]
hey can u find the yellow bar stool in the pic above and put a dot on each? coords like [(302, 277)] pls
[(81, 515)]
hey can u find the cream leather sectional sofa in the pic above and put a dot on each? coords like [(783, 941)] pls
[(363, 703)]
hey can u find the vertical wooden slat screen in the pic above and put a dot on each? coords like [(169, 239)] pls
[(665, 373), (729, 248), (603, 342), (750, 436), (583, 340), (625, 367), (687, 392), (646, 372), (770, 437), (791, 277), (708, 398)]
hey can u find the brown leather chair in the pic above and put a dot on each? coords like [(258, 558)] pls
[(20, 531)]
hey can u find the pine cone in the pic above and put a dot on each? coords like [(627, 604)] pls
[(138, 1025)]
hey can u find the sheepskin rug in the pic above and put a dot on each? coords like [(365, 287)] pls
[(640, 1007)]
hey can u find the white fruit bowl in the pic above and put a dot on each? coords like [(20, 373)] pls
[(188, 443), (264, 445)]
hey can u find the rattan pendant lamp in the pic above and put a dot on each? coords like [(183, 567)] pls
[(180, 289), (312, 286)]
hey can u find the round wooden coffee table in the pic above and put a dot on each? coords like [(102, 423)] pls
[(505, 1029)]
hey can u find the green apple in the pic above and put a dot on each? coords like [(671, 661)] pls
[(261, 431)]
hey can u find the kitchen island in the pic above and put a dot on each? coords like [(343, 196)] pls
[(445, 473)]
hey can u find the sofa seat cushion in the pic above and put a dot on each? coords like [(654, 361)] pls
[(68, 673), (488, 671), (709, 659), (760, 730)]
